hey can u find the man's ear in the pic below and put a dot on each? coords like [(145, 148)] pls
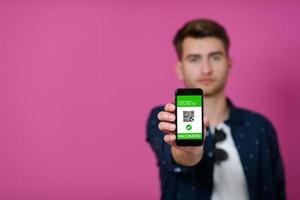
[(179, 70), (229, 62)]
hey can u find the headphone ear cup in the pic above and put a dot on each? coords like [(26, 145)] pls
[(220, 155), (219, 135)]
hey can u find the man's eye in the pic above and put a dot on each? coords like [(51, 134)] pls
[(194, 60), (216, 58)]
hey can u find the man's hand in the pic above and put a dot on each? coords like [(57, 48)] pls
[(187, 156)]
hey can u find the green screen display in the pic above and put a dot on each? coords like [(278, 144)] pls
[(189, 117)]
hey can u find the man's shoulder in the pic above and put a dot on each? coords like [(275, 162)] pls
[(240, 112), (247, 115), (250, 116), (155, 110)]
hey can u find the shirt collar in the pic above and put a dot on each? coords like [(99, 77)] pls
[(235, 115)]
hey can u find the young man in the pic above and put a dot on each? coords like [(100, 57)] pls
[(245, 162)]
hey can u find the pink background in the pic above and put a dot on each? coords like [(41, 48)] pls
[(77, 81)]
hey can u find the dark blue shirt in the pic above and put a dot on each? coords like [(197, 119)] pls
[(257, 145)]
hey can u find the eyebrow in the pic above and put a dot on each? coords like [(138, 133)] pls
[(209, 55), (216, 53)]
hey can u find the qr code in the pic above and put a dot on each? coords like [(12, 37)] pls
[(188, 116)]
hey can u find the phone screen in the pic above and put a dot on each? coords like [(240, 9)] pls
[(189, 116)]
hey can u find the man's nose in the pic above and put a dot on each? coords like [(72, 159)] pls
[(206, 66)]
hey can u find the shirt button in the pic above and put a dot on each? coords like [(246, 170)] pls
[(177, 169), (265, 187)]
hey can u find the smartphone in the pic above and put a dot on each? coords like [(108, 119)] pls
[(189, 117)]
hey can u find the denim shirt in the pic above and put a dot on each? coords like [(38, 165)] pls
[(257, 145)]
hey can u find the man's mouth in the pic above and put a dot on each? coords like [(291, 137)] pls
[(205, 81)]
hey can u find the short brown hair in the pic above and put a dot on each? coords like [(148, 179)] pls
[(200, 28)]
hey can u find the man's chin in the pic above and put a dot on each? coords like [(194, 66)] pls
[(209, 91), (212, 92), (208, 94)]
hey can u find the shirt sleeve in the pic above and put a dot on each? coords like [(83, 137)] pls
[(277, 164), (162, 150)]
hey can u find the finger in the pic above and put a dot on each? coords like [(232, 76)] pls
[(166, 116), (170, 139), (169, 107), (166, 126)]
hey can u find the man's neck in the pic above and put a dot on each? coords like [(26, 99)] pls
[(216, 109)]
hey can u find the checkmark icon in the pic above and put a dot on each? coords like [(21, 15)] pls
[(188, 127)]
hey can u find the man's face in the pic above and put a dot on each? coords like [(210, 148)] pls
[(204, 64)]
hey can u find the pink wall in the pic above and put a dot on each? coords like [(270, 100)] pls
[(78, 79)]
